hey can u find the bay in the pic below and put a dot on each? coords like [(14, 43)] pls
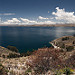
[(29, 38)]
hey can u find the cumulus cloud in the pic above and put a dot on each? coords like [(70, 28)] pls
[(40, 17), (58, 17), (61, 14), (7, 14), (28, 21), (12, 21)]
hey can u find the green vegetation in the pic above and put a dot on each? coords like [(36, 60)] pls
[(67, 71), (12, 48), (59, 72)]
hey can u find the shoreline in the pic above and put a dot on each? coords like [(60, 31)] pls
[(44, 25)]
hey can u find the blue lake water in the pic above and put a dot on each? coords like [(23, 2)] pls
[(28, 38)]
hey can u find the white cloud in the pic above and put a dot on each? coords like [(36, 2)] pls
[(46, 22), (7, 14), (40, 17), (59, 17), (12, 21), (24, 21), (28, 21), (61, 14)]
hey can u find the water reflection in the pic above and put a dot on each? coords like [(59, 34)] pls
[(64, 31)]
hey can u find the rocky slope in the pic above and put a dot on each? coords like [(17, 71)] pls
[(4, 52), (66, 43), (62, 55)]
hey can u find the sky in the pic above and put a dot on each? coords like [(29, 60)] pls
[(28, 12)]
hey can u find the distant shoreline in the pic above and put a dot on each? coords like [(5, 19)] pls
[(44, 25)]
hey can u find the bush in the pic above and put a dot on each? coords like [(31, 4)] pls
[(3, 56), (61, 45), (73, 42), (65, 38), (13, 55), (28, 53), (12, 48), (67, 71), (70, 48), (59, 72)]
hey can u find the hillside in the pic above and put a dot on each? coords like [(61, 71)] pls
[(66, 43), (5, 52), (44, 61)]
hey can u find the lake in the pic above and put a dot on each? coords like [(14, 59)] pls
[(29, 38)]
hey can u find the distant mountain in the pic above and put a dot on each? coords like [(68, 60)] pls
[(42, 25)]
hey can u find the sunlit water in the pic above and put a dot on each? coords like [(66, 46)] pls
[(28, 38)]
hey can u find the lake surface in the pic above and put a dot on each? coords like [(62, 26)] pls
[(28, 38)]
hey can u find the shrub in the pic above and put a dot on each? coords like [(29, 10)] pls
[(73, 42), (13, 55), (65, 38), (61, 45), (59, 72), (67, 71), (28, 53), (3, 56), (70, 48), (12, 48)]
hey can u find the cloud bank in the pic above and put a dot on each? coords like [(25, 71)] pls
[(58, 17), (28, 21), (40, 17), (12, 21)]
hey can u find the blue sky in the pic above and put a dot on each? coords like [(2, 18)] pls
[(41, 11)]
